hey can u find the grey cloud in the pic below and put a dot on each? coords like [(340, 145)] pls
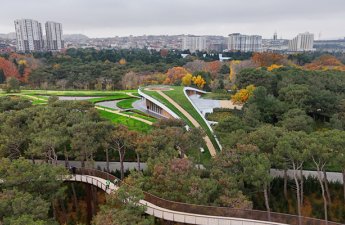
[(124, 17)]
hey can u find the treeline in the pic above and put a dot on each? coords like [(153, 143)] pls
[(293, 118)]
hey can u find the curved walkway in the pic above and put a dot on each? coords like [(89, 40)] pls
[(208, 141), (170, 215), (193, 214)]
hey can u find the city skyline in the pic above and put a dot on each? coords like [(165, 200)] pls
[(106, 18)]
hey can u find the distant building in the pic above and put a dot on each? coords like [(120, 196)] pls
[(29, 35), (245, 43), (54, 37), (330, 45), (275, 44), (275, 36), (302, 43), (194, 43)]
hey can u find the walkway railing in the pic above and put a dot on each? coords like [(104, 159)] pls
[(213, 210)]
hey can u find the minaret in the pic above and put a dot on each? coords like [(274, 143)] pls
[(275, 36)]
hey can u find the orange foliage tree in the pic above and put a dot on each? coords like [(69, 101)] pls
[(266, 59), (9, 68), (273, 67), (213, 68), (175, 74), (187, 79), (243, 95), (325, 62), (122, 61)]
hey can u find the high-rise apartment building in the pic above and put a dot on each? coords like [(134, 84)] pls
[(303, 42), (245, 43), (194, 43), (54, 37), (29, 35)]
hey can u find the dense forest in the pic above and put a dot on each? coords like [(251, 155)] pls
[(293, 118)]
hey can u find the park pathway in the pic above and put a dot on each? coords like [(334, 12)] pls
[(122, 114), (208, 141), (132, 95)]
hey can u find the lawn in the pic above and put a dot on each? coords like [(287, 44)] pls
[(126, 103), (178, 96), (217, 95), (165, 102), (140, 115), (132, 124), (76, 93)]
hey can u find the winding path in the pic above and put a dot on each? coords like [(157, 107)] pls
[(207, 140), (167, 214), (193, 214)]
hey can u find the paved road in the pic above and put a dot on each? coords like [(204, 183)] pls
[(208, 142), (109, 104)]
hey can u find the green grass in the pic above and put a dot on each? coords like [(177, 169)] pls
[(184, 103), (179, 97), (76, 93), (132, 124), (127, 103), (165, 102), (131, 113), (217, 96)]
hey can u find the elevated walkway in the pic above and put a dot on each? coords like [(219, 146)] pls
[(193, 214)]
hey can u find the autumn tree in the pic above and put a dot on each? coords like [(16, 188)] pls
[(175, 74), (187, 79), (266, 59), (199, 81), (243, 95), (326, 62)]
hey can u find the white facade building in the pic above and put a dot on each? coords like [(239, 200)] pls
[(194, 43), (29, 35), (303, 42), (245, 43), (54, 37)]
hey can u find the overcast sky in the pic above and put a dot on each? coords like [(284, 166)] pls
[(108, 18)]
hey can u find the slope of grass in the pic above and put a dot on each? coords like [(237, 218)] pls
[(179, 97), (132, 124), (202, 157), (165, 102), (131, 113), (127, 103)]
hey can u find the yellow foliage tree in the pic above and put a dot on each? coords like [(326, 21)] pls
[(232, 69), (122, 61), (243, 95), (199, 81), (273, 67), (22, 62), (187, 79)]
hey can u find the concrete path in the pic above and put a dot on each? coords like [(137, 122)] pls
[(167, 214), (132, 95), (208, 142), (332, 177), (122, 114)]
